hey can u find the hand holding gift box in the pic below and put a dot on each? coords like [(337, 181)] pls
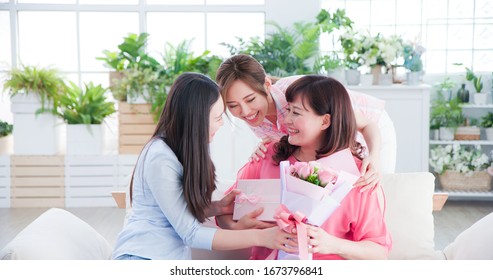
[(256, 193)]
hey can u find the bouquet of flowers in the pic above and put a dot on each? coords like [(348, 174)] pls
[(312, 191), (458, 158), (313, 173)]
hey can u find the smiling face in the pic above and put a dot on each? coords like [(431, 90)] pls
[(216, 118), (305, 127), (247, 104)]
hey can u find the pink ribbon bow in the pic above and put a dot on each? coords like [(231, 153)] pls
[(287, 221), (252, 199)]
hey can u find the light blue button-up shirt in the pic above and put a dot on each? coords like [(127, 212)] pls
[(160, 225)]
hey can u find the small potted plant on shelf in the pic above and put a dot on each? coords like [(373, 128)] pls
[(447, 115), (412, 61), (487, 123), (461, 167), (446, 87), (84, 110), (5, 137)]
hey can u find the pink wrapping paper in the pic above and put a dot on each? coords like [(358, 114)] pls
[(258, 193)]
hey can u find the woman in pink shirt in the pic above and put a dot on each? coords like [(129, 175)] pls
[(251, 95), (320, 121)]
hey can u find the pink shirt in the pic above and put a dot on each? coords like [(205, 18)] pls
[(367, 105), (358, 218)]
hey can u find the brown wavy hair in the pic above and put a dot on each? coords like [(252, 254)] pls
[(184, 127), (324, 95)]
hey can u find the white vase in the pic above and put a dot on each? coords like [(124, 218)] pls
[(366, 80), (413, 78), (489, 133), (6, 145), (84, 139), (337, 74), (447, 133), (480, 98), (352, 77), (385, 80)]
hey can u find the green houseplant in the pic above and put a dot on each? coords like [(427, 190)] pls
[(284, 52), (46, 83), (447, 116), (84, 110), (5, 137), (5, 128), (487, 123), (85, 106)]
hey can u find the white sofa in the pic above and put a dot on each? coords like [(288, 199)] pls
[(57, 234)]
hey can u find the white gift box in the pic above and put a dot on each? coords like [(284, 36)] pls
[(257, 193)]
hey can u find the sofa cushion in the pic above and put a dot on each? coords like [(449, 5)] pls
[(57, 235), (409, 215), (475, 243)]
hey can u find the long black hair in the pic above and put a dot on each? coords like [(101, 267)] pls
[(184, 126)]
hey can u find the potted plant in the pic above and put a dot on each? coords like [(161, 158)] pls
[(487, 123), (5, 137), (84, 110), (461, 167), (479, 96), (447, 115), (351, 46), (446, 87), (380, 52), (412, 61), (131, 54), (35, 95), (331, 65)]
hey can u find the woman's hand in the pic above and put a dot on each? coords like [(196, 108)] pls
[(249, 221), (370, 177), (224, 206), (278, 239), (321, 241), (260, 150)]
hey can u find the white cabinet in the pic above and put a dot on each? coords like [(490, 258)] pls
[(409, 109), (471, 111)]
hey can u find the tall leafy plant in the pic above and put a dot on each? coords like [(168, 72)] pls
[(131, 53)]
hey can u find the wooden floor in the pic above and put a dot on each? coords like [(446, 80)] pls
[(453, 219)]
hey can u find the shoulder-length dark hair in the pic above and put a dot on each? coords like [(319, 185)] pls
[(324, 95), (184, 126)]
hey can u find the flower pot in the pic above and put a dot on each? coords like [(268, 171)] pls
[(84, 139), (366, 80), (413, 78), (376, 71), (353, 77), (385, 80), (6, 145), (456, 181), (337, 74), (447, 133), (489, 133), (434, 134), (480, 98)]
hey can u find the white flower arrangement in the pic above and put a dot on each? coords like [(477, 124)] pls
[(458, 158), (380, 50)]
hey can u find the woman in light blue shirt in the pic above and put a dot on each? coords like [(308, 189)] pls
[(173, 181)]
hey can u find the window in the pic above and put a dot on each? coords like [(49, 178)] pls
[(452, 31)]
